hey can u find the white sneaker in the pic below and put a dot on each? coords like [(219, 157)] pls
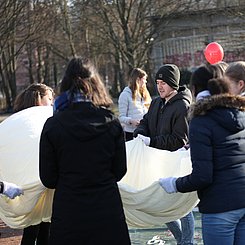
[(156, 240)]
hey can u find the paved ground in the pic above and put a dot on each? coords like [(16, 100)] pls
[(9, 236), (138, 236)]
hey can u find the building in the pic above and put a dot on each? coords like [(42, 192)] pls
[(184, 35)]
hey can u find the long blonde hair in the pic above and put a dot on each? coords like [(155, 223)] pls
[(143, 92)]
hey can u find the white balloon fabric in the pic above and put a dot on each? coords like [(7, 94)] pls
[(19, 156), (146, 204)]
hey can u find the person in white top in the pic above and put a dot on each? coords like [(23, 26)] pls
[(133, 102)]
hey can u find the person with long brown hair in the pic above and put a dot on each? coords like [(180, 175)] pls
[(82, 157), (235, 75), (36, 94), (133, 102)]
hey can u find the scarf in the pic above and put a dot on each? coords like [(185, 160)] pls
[(63, 101)]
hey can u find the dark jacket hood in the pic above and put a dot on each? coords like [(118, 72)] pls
[(228, 110), (183, 93), (85, 121)]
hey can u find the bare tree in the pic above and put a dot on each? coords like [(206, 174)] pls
[(128, 28), (11, 13)]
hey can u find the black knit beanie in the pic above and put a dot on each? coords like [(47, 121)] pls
[(170, 74)]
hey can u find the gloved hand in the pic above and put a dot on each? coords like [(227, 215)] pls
[(168, 184), (11, 190), (147, 140)]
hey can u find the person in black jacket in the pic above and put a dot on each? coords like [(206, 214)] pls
[(217, 146), (82, 157), (165, 126)]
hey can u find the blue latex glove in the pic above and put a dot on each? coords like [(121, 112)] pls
[(11, 190), (168, 184), (145, 139)]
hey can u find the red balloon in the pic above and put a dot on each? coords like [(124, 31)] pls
[(214, 53)]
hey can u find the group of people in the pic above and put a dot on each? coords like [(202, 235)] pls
[(213, 126), (83, 156)]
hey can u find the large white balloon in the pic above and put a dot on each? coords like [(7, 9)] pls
[(145, 203), (19, 154)]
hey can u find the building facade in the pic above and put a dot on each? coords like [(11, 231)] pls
[(184, 35)]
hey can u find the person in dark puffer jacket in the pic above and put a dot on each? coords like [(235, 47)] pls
[(217, 145)]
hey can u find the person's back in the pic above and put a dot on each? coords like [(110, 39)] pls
[(222, 130), (82, 156), (201, 76), (217, 142), (88, 132)]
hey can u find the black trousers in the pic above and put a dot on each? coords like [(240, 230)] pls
[(36, 233)]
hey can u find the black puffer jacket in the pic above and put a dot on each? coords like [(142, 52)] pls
[(166, 124), (217, 141)]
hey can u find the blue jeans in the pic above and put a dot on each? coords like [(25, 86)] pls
[(183, 231), (226, 228)]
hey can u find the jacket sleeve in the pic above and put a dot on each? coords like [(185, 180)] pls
[(48, 169), (201, 157), (123, 107), (119, 163)]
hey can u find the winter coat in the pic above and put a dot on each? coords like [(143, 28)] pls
[(129, 109), (166, 124), (82, 156), (217, 141)]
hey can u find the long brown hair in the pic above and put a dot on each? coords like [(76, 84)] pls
[(81, 75), (31, 96), (143, 92)]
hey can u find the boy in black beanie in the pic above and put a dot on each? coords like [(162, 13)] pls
[(165, 127)]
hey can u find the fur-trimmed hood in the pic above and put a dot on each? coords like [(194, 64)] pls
[(228, 110)]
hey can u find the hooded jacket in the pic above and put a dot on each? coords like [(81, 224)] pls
[(217, 141), (82, 156), (166, 123)]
